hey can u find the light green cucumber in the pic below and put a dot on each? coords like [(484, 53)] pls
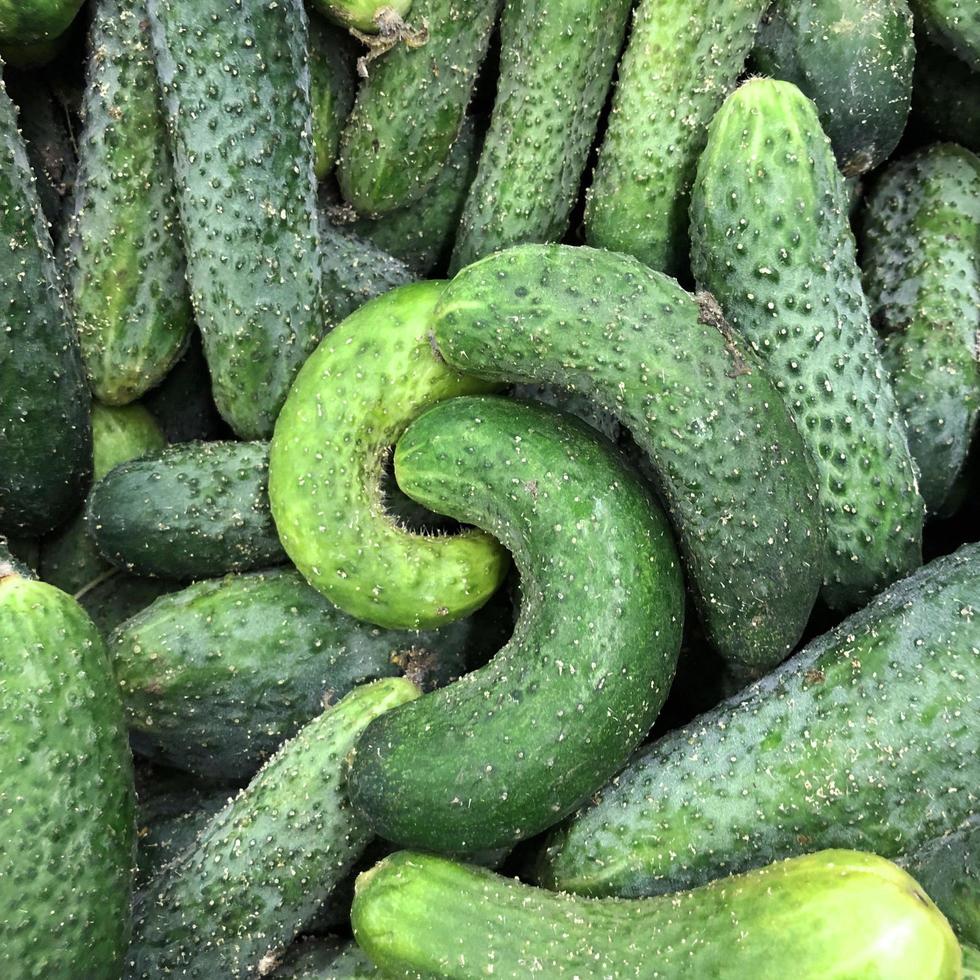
[(953, 24), (367, 16), (945, 96), (27, 22), (331, 91)]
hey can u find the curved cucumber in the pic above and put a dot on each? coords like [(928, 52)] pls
[(418, 915), (355, 396), (557, 56), (738, 483), (920, 247), (771, 240), (944, 96), (953, 24), (331, 92), (26, 22), (368, 16)]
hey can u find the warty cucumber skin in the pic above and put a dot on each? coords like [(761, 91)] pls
[(953, 24), (854, 61), (681, 60), (26, 22), (66, 791), (410, 108), (944, 96), (193, 511), (556, 64), (235, 84), (368, 379), (418, 915), (230, 906), (738, 483), (511, 748), (771, 240), (45, 430), (865, 738), (920, 245), (332, 88), (366, 16)]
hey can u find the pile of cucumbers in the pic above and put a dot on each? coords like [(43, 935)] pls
[(490, 488)]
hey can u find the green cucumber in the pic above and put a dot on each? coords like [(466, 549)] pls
[(66, 791), (9, 558), (326, 960), (732, 468), (354, 397), (114, 596), (557, 56), (855, 62), (863, 739), (367, 16), (952, 24), (229, 906), (331, 92), (920, 247), (194, 511), (26, 22), (971, 962), (516, 745), (418, 915), (235, 83), (410, 108), (771, 240), (681, 61), (944, 96)]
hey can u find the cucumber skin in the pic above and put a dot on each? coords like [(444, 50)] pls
[(552, 86), (419, 915), (953, 24), (681, 60), (944, 99), (67, 791), (691, 807), (26, 22), (235, 84), (857, 69), (361, 14), (631, 339), (264, 864), (971, 962), (326, 960), (332, 89), (920, 242), (771, 240), (114, 596), (410, 108)]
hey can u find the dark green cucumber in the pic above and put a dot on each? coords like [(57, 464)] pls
[(953, 24), (331, 91), (737, 480), (45, 431), (410, 108), (682, 59), (114, 596), (193, 511), (125, 255), (944, 96), (514, 746), (557, 56), (235, 83), (368, 379), (229, 906), (771, 240), (9, 558), (27, 22), (367, 16), (866, 738), (66, 791), (326, 960), (216, 677), (854, 61), (920, 248), (418, 915)]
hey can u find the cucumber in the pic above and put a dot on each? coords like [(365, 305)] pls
[(235, 83), (9, 559), (772, 242), (418, 915), (971, 962), (194, 511), (368, 16), (944, 96), (326, 960), (681, 61), (731, 466), (27, 22), (66, 791), (229, 906), (216, 677), (953, 24), (410, 108), (557, 57), (920, 243), (854, 62), (513, 747), (114, 596), (355, 396), (863, 739), (45, 431), (331, 92)]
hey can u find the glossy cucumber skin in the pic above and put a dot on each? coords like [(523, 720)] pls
[(368, 379), (410, 108), (27, 22), (418, 915), (854, 62), (944, 96), (229, 907), (681, 60), (630, 339), (236, 88), (863, 739), (920, 246), (556, 64), (771, 240), (332, 88), (361, 14), (953, 24)]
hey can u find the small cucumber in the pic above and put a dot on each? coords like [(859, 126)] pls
[(944, 96), (953, 24), (771, 240), (331, 92), (419, 915), (367, 16), (27, 22)]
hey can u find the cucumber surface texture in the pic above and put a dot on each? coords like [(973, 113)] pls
[(326, 960), (332, 88), (367, 16), (953, 24), (114, 596)]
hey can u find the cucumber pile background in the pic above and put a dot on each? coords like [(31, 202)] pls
[(490, 488)]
